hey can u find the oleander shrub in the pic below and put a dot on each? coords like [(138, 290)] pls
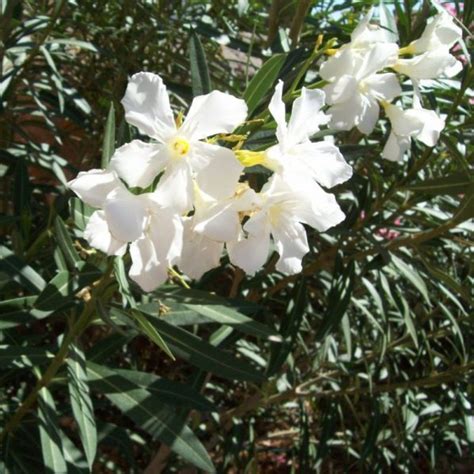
[(317, 314)]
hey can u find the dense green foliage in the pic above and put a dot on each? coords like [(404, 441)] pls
[(361, 363)]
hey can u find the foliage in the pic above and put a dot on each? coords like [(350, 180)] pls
[(362, 362)]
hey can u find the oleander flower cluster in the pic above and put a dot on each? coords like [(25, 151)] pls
[(181, 199), (362, 76)]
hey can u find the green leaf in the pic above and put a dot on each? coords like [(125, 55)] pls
[(447, 279), (201, 82), (465, 210), (203, 355), (149, 330), (53, 455), (412, 275), (73, 42), (66, 245), (81, 402), (192, 296), (289, 328), (108, 145), (339, 299), (263, 81), (19, 271), (455, 183), (107, 347), (150, 414), (80, 212), (168, 391), (57, 293), (230, 317), (19, 356)]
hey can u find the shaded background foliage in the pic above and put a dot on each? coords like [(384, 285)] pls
[(362, 362)]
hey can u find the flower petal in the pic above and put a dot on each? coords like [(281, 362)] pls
[(291, 244), (98, 235), (126, 215), (147, 106), (341, 90), (146, 270), (312, 205), (216, 112), (383, 86), (138, 163), (338, 65), (93, 186), (346, 114), (369, 116), (306, 116), (429, 65), (378, 57), (175, 188), (440, 31), (323, 161), (166, 233), (405, 123), (218, 170), (220, 222), (395, 147), (199, 253), (278, 111), (250, 253), (433, 124)]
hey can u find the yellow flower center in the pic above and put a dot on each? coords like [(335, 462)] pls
[(179, 147), (251, 158)]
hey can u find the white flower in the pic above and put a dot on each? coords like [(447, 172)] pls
[(295, 153), (178, 151), (158, 248), (440, 32), (199, 253), (366, 34), (432, 57), (284, 206), (423, 124), (154, 232), (355, 87), (215, 220)]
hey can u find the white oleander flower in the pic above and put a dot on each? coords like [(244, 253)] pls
[(440, 32), (154, 232), (356, 87), (178, 151), (295, 153), (431, 51), (216, 220), (200, 253), (423, 124), (158, 248), (283, 206)]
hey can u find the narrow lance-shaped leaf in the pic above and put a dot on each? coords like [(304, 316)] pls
[(66, 244), (455, 183), (289, 328), (226, 315), (338, 300), (81, 402), (148, 328), (203, 355), (53, 455), (150, 414), (58, 292), (201, 82), (262, 82), (108, 145), (19, 271)]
